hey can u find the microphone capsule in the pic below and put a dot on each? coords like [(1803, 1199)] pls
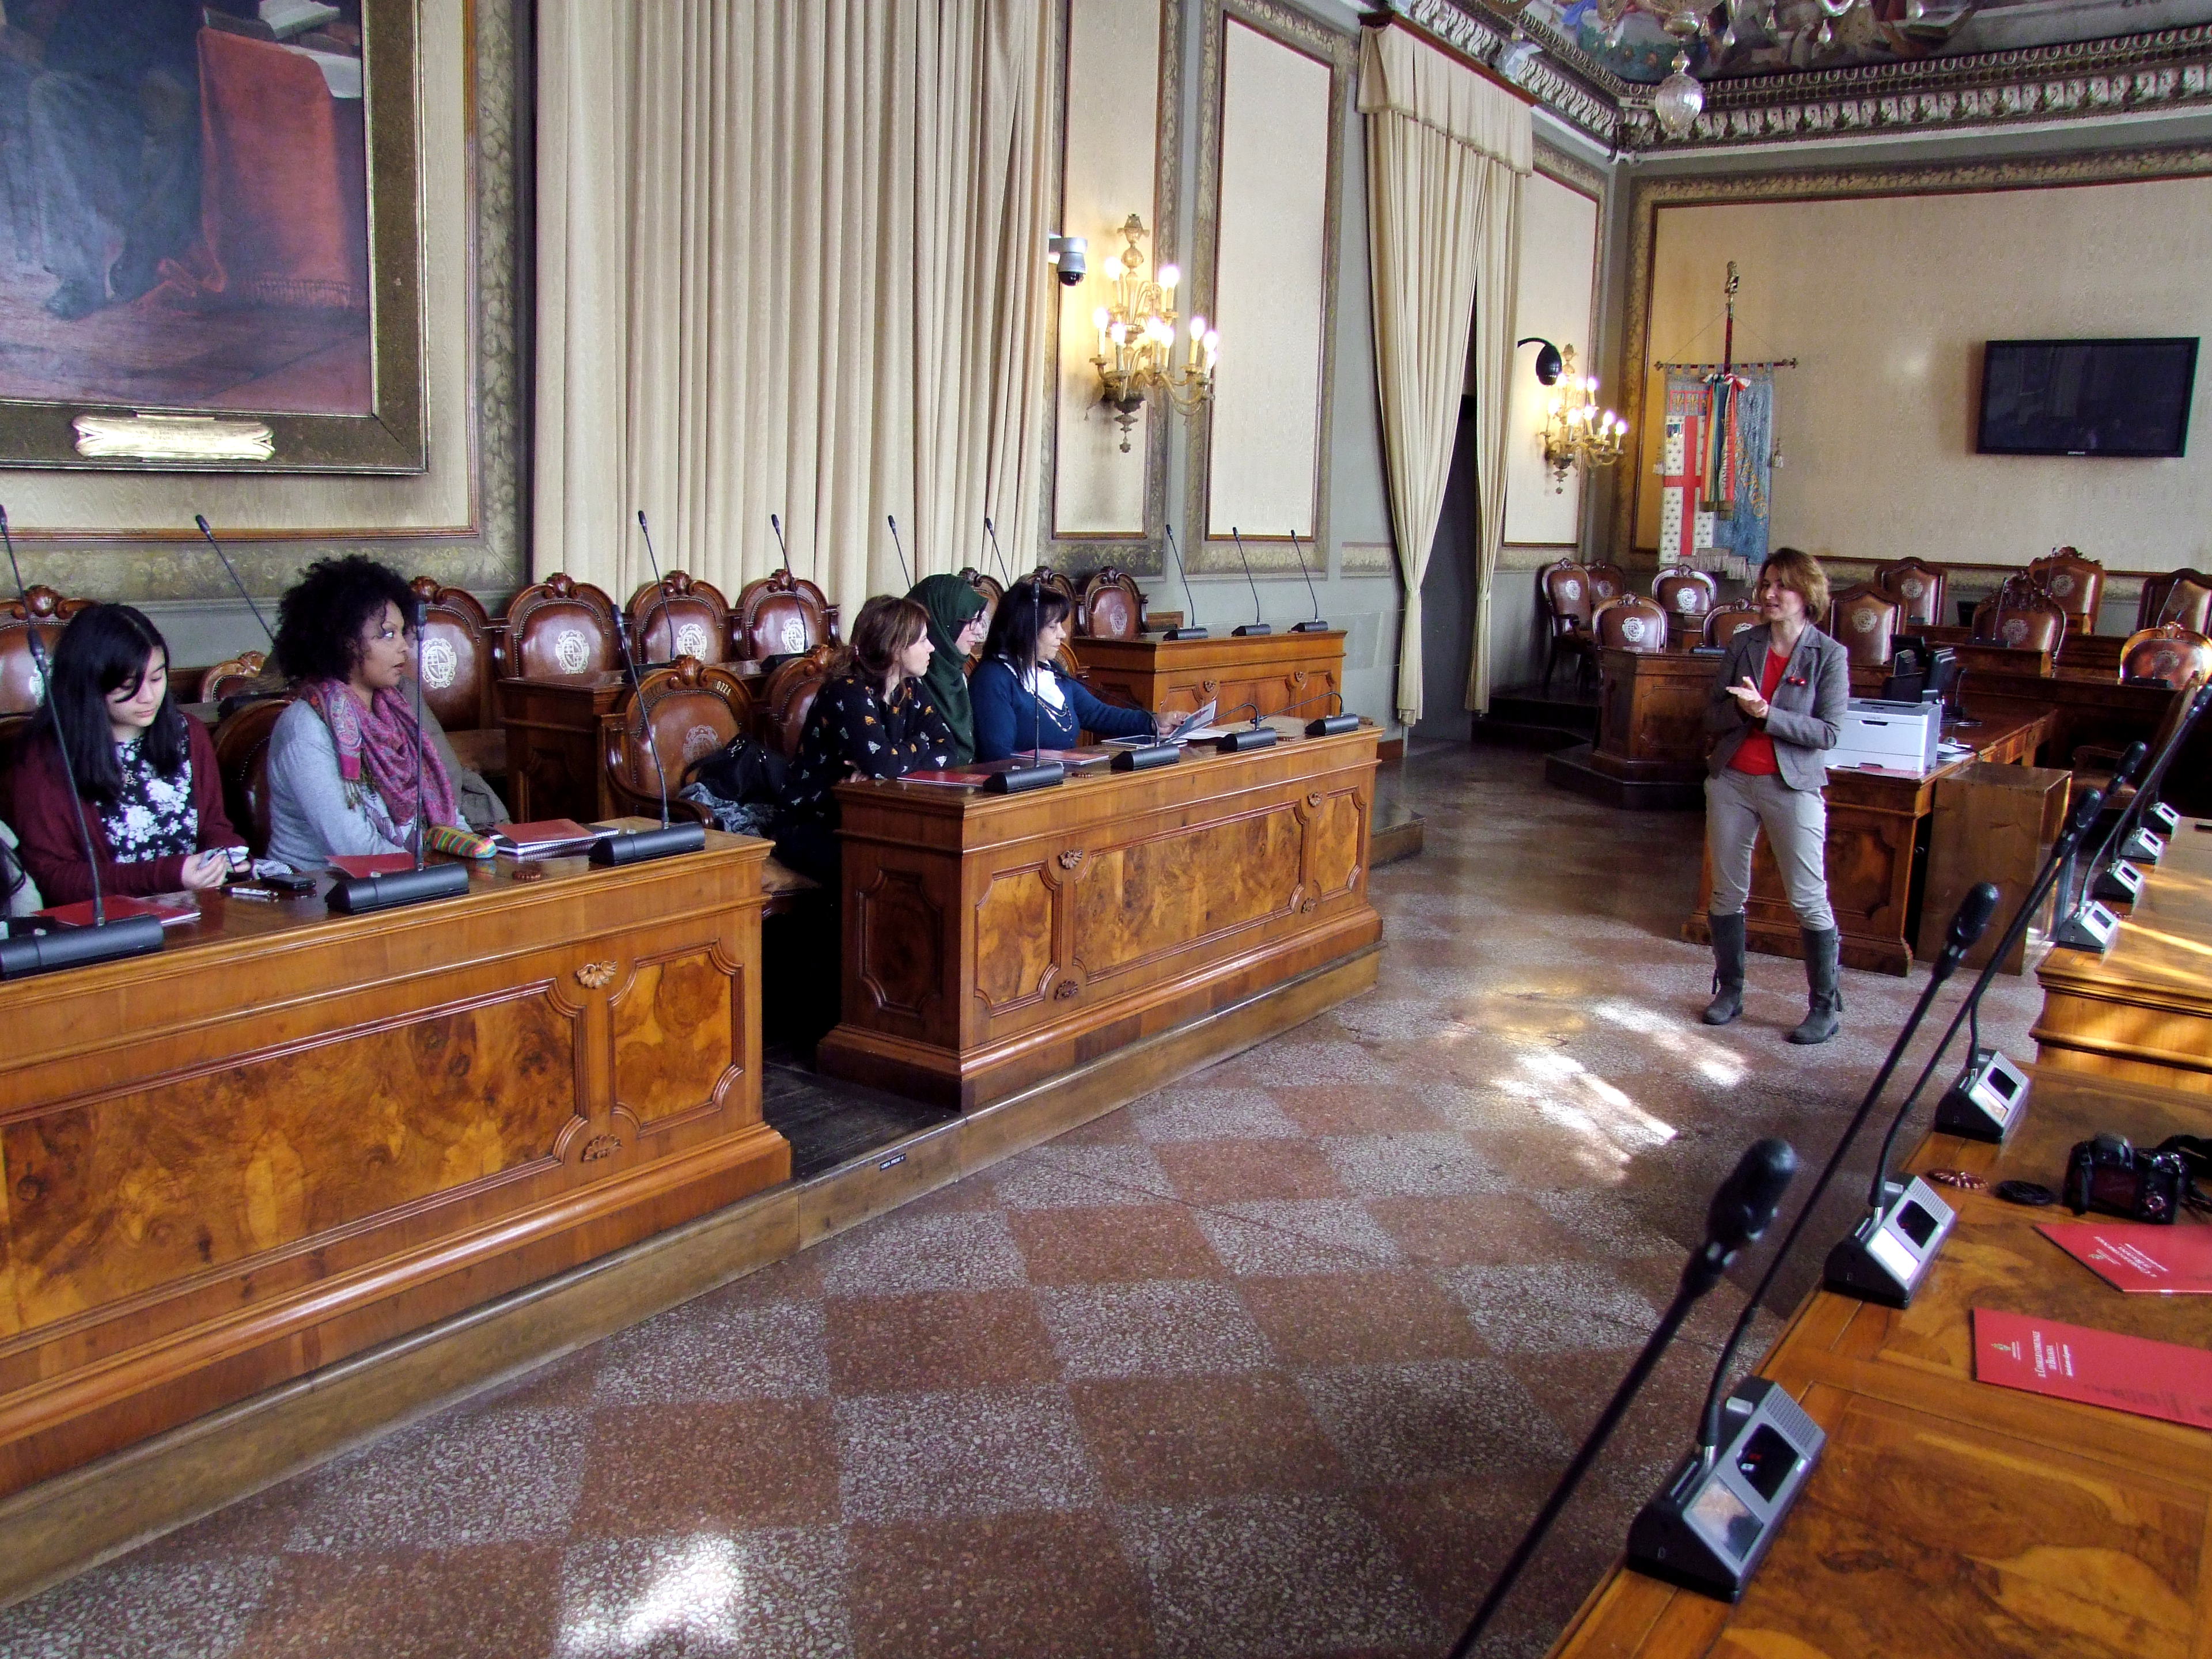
[(1743, 1208), (1973, 916), (2085, 814)]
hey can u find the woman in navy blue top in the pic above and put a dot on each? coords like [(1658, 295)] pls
[(1021, 700)]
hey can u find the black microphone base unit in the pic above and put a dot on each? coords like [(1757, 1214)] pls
[(1986, 1102), (1333, 726), (2118, 883), (79, 947), (1887, 1254), (1017, 780), (355, 895), (1245, 628), (1711, 1525), (1145, 759), (1238, 743), (2091, 928), (1186, 634), (1316, 626), (637, 845)]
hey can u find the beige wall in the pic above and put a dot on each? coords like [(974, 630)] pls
[(1886, 302), (1557, 302)]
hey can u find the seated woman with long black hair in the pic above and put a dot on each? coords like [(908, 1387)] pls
[(873, 717), (152, 795), (348, 769), (1022, 700)]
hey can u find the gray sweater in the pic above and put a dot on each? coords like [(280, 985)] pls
[(1808, 708), (313, 816)]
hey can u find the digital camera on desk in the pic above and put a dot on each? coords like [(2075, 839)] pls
[(1896, 737), (2110, 1176)]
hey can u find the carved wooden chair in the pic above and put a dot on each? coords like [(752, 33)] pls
[(462, 660), (1917, 586), (1109, 606), (1563, 593), (1725, 622), (21, 690), (990, 588), (2078, 585), (1607, 581), (780, 614), (677, 616), (788, 698), (2178, 596), (2169, 653), (1685, 593), (241, 756), (2020, 614), (1054, 581), (560, 626), (242, 673), (1631, 623), (683, 712), (1864, 621)]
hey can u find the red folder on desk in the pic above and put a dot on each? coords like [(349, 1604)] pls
[(2141, 1257), (2163, 1380), (172, 909)]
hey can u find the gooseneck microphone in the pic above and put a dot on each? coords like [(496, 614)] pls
[(895, 547), (1255, 736), (1316, 626), (105, 940), (231, 570), (1040, 772), (1255, 626), (782, 546), (1329, 726), (659, 593), (637, 845), (1190, 629), (1741, 1211), (991, 535), (2110, 874)]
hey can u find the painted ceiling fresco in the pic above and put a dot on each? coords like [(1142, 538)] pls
[(1785, 35)]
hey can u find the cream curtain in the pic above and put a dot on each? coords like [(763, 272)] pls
[(791, 261), (1447, 150)]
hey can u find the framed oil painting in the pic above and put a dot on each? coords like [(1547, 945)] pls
[(210, 239)]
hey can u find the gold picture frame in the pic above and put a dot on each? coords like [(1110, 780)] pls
[(392, 436)]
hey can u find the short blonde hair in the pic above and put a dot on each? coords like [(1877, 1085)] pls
[(1800, 573)]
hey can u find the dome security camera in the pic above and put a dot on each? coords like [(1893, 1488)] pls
[(1067, 254)]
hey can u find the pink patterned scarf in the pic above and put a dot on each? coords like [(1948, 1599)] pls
[(379, 744)]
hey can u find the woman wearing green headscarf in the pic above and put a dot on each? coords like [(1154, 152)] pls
[(956, 628)]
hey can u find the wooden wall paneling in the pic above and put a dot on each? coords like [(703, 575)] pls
[(292, 1135)]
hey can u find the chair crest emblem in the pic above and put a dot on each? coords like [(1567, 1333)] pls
[(441, 663), (572, 651)]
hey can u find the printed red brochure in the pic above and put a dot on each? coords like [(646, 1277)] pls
[(172, 909), (2133, 1374), (2140, 1257), (372, 864)]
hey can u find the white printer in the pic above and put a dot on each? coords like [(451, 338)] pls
[(1898, 736)]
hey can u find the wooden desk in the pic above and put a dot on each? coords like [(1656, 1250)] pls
[(2144, 1010), (993, 941), (1950, 1516), (2084, 708), (1651, 715), (1162, 676), (554, 766), (1874, 836), (293, 1135)]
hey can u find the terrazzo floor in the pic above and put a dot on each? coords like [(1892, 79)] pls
[(1276, 1362)]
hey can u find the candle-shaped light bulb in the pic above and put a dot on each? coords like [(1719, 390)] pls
[(1213, 347), (1170, 276)]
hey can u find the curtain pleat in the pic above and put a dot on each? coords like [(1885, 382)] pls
[(790, 262), (1446, 152)]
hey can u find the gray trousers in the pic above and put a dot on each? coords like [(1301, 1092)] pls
[(1797, 822)]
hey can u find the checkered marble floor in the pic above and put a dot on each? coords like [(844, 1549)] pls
[(1276, 1362)]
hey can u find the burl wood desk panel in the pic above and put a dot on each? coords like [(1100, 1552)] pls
[(1875, 821), (994, 941), (1175, 677), (292, 1134), (1950, 1516), (2143, 1009)]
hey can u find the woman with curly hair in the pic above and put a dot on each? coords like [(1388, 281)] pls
[(152, 794), (348, 769)]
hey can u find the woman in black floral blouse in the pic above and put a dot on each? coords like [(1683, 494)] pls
[(874, 719)]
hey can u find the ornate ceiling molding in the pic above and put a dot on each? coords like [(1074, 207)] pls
[(2168, 70)]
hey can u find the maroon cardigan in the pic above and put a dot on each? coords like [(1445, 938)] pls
[(53, 855)]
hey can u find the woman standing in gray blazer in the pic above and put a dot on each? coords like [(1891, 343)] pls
[(1777, 703)]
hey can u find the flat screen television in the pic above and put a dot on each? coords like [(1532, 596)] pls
[(2108, 398)]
